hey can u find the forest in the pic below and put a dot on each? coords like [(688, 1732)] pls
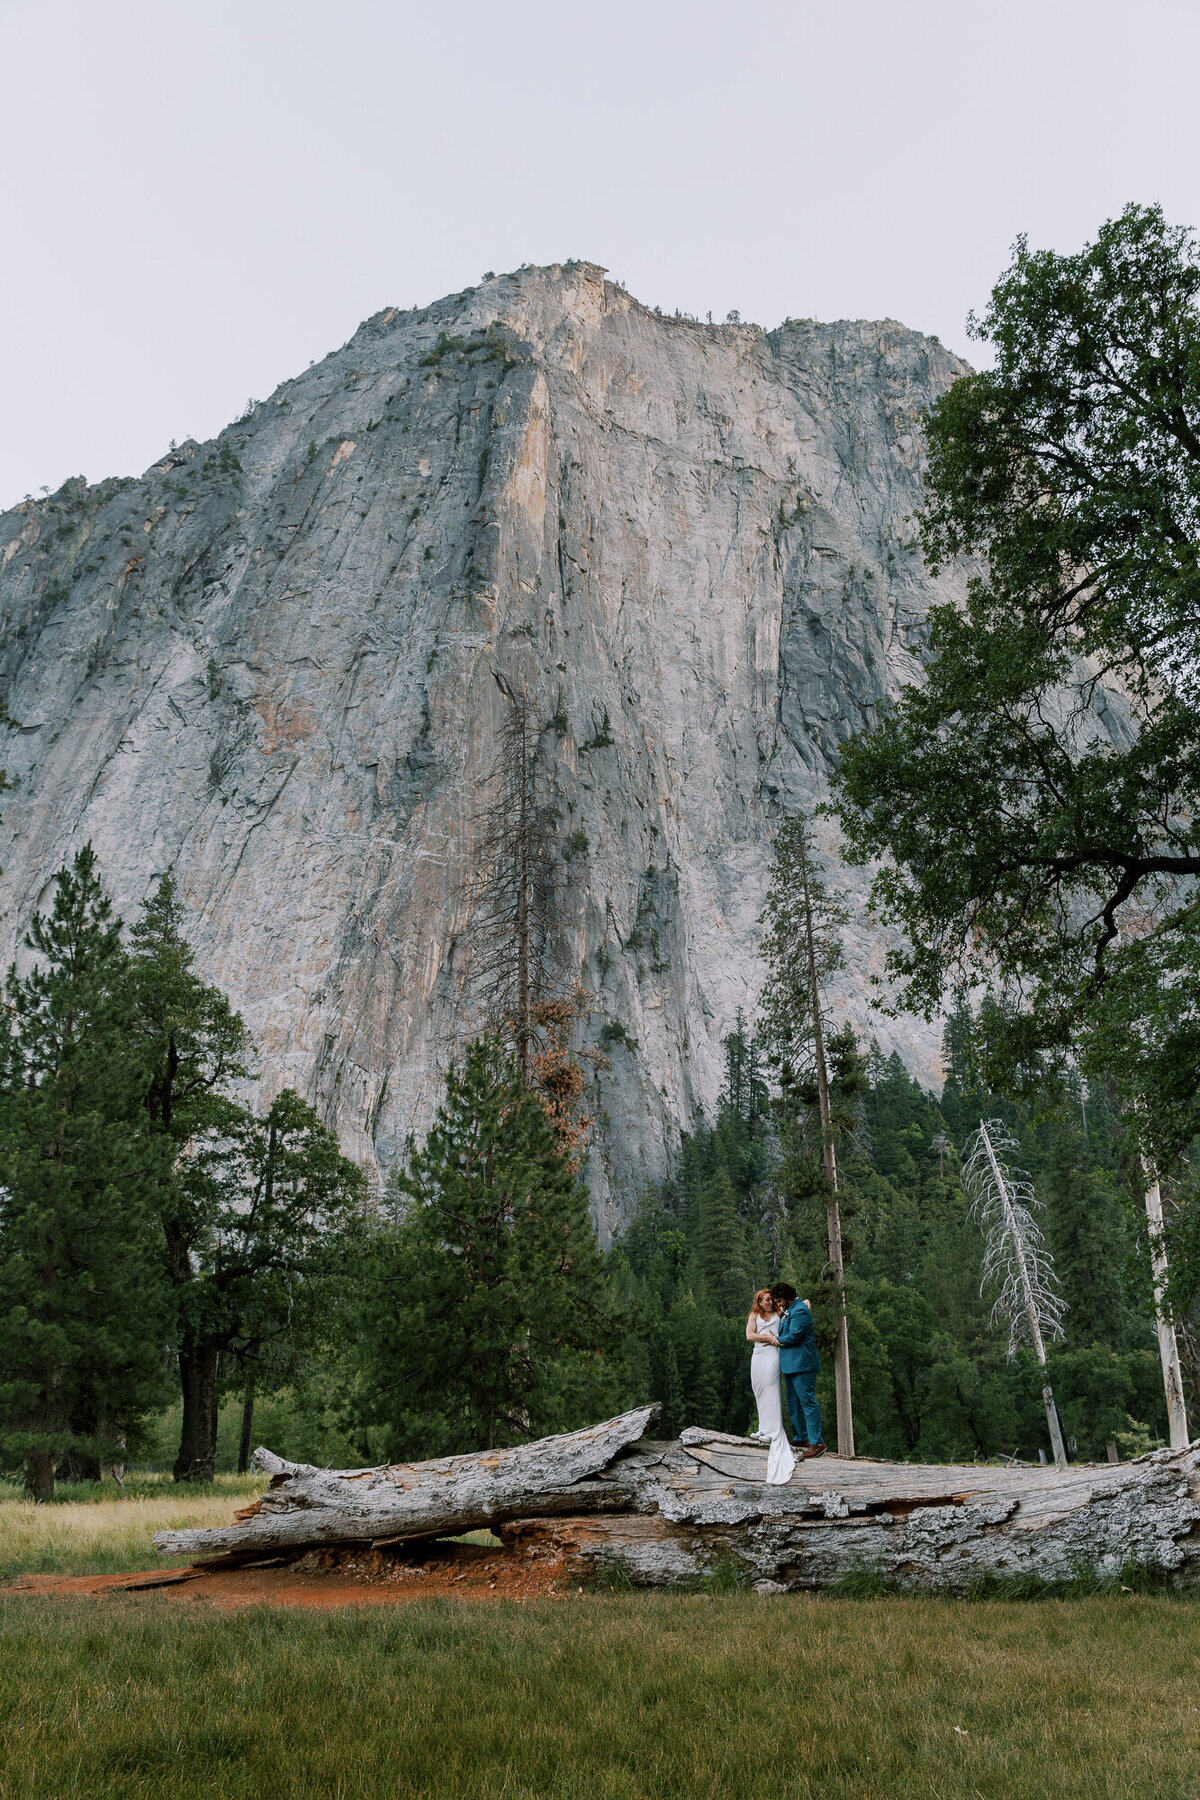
[(208, 1260), (932, 1379)]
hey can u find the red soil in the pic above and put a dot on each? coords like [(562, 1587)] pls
[(336, 1578)]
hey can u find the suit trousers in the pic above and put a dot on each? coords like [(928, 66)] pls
[(803, 1410)]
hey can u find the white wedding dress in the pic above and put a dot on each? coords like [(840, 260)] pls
[(764, 1379)]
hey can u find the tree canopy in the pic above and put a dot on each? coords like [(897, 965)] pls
[(1037, 800)]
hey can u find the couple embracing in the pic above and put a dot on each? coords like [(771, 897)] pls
[(780, 1327)]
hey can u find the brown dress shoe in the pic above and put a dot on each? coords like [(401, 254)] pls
[(811, 1450)]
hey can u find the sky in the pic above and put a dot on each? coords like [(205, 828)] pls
[(196, 201)]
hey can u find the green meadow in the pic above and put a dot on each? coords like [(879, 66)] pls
[(599, 1696), (603, 1697)]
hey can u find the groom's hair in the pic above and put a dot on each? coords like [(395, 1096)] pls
[(782, 1291)]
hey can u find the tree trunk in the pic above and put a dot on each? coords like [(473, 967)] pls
[(198, 1437), (833, 1217), (307, 1506), (39, 1475), (247, 1426), (1031, 1312), (1168, 1345), (524, 1002), (674, 1512), (77, 1467)]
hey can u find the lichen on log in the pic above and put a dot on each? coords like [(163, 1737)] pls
[(923, 1527), (671, 1512), (306, 1506)]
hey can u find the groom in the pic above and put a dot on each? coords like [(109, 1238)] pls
[(798, 1364)]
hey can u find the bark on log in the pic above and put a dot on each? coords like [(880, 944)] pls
[(928, 1528), (669, 1512), (306, 1506)]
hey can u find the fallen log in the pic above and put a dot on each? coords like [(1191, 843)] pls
[(920, 1527), (672, 1512), (305, 1506)]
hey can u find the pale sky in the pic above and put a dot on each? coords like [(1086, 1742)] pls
[(198, 200)]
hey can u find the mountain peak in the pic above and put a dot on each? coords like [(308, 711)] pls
[(271, 665)]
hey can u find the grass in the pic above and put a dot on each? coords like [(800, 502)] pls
[(613, 1696), (604, 1698), (101, 1531)]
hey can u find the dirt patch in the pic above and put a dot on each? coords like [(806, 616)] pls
[(325, 1578)]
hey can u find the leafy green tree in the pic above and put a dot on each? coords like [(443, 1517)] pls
[(486, 1317), (264, 1213), (1037, 798), (82, 1295)]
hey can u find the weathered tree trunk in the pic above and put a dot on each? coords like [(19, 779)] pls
[(1032, 1321), (39, 1476), (923, 1528), (841, 1348), (198, 1434), (674, 1512), (307, 1506), (1168, 1343), (247, 1425)]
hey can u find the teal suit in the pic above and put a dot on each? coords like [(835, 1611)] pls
[(799, 1361)]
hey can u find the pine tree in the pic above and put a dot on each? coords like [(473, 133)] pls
[(82, 1296), (802, 948), (720, 1246), (488, 1315), (705, 1392), (1087, 1234), (266, 1211), (745, 1092), (672, 1421), (193, 1044)]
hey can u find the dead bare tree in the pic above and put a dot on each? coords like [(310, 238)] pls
[(1029, 1302)]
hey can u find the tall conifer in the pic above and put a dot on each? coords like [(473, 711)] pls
[(82, 1296), (488, 1312)]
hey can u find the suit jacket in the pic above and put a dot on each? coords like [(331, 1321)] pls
[(798, 1354)]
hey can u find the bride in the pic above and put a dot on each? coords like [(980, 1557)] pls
[(764, 1379)]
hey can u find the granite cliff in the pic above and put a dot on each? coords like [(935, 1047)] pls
[(275, 664)]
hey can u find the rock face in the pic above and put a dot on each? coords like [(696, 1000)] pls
[(276, 664)]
